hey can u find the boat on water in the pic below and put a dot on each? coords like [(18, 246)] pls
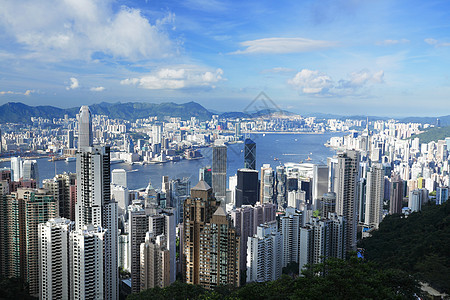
[(309, 159), (70, 159)]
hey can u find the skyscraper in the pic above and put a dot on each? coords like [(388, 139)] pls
[(205, 174), (94, 207), (347, 173), (249, 154), (30, 171), (63, 188), (441, 195), (247, 189), (155, 262), (396, 196), (290, 230), (198, 210), (16, 167), (54, 259), (219, 171), (119, 177), (267, 184), (374, 195), (85, 137), (264, 254), (70, 139), (281, 189)]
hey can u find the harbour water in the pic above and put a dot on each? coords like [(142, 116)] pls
[(271, 148)]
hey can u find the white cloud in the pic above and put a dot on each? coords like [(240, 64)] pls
[(315, 82), (278, 70), (97, 89), (436, 43), (177, 78), (311, 82), (283, 45), (73, 84), (393, 42), (79, 29), (26, 93)]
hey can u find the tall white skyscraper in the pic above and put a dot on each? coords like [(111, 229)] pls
[(219, 172), (156, 134), (87, 267), (94, 205), (16, 167), (54, 259), (267, 184), (85, 137), (264, 254), (290, 229), (347, 175), (374, 195)]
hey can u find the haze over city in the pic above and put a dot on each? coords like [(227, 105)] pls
[(385, 58)]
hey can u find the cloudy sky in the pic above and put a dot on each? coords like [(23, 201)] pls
[(388, 58)]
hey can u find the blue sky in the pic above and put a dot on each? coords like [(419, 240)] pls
[(389, 58)]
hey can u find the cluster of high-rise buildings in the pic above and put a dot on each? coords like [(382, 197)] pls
[(84, 235)]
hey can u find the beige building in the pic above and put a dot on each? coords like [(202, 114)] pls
[(155, 262)]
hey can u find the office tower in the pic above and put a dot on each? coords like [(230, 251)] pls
[(205, 174), (347, 193), (156, 134), (417, 198), (219, 171), (165, 189), (123, 252), (396, 196), (163, 223), (70, 139), (281, 189), (85, 137), (249, 154), (328, 204), (297, 199), (247, 189), (267, 184), (198, 210), (332, 163), (87, 270), (155, 262), (374, 195), (54, 259), (119, 177), (290, 230), (232, 183), (63, 187), (219, 252), (28, 208), (441, 195), (30, 170), (16, 168), (321, 239), (264, 254), (320, 184), (120, 195), (292, 184), (138, 227), (94, 205)]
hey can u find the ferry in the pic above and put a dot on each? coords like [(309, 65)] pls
[(70, 159)]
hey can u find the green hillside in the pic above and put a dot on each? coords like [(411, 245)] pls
[(433, 134), (418, 244)]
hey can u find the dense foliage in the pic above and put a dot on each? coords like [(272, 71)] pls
[(350, 279), (13, 288), (418, 244), (433, 134)]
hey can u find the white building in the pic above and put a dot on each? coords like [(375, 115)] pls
[(264, 254), (54, 260), (119, 177), (290, 230), (374, 196)]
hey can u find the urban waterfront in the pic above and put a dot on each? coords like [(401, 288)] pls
[(274, 149)]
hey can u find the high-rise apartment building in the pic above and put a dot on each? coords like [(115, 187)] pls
[(63, 187), (290, 230), (374, 195), (264, 254), (441, 195), (155, 262), (396, 195), (347, 173), (249, 154), (94, 206), (219, 171), (54, 259), (281, 188)]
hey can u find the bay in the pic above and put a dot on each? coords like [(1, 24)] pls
[(271, 148)]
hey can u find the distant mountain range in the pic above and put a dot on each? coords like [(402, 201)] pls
[(16, 112)]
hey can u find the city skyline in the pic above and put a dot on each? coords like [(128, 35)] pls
[(347, 57)]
